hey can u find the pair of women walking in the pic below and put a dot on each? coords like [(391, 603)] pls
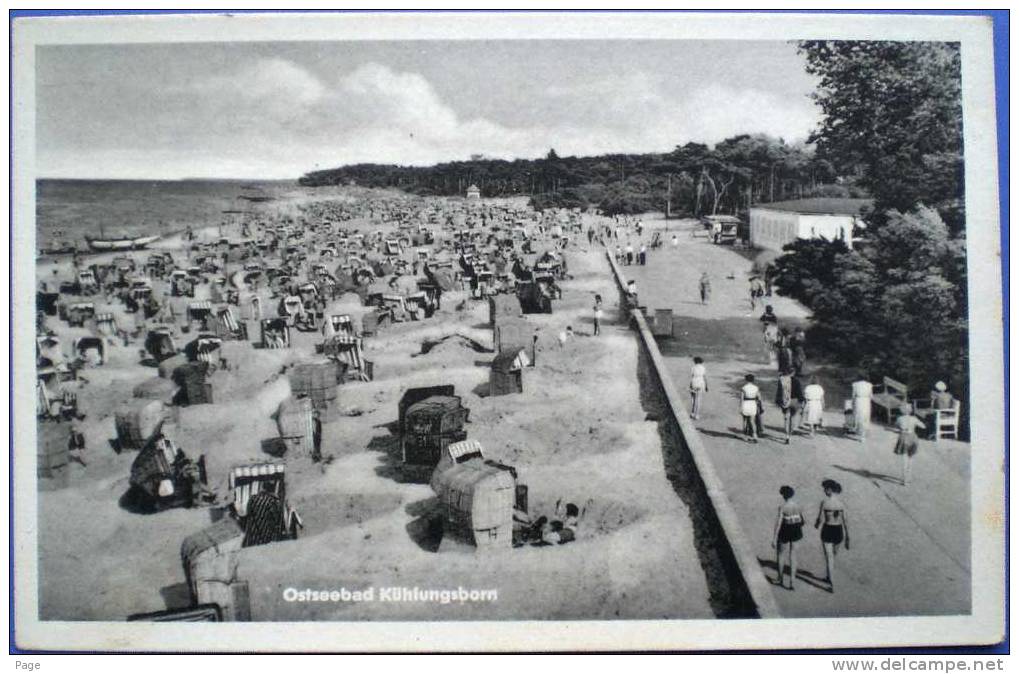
[(831, 519)]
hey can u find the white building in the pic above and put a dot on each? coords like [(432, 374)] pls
[(473, 192), (774, 225)]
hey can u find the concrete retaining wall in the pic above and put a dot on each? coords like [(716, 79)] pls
[(747, 586)]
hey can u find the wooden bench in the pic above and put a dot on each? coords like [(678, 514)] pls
[(890, 396)]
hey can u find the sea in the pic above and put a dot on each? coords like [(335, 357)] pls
[(68, 210)]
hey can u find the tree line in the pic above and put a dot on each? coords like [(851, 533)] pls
[(691, 180), (896, 305), (891, 129)]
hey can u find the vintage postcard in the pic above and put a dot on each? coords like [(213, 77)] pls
[(506, 331)]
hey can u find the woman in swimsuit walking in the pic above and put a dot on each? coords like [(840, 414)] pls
[(787, 397), (788, 530), (908, 441), (698, 385), (836, 527), (750, 407)]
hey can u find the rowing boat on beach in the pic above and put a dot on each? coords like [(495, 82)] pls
[(123, 243)]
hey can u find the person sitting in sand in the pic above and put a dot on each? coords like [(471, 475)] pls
[(76, 444), (560, 534)]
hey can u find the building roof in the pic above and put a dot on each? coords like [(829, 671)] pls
[(820, 206)]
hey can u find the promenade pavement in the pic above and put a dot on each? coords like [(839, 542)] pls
[(910, 550)]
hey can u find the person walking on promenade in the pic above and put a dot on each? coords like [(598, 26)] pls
[(813, 412), (756, 291), (629, 253), (750, 401), (597, 314), (799, 347), (675, 242), (705, 287), (769, 280), (907, 443), (784, 353), (835, 529), (642, 255), (788, 530), (787, 398), (769, 323), (861, 401), (698, 385)]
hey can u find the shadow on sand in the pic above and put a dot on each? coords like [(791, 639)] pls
[(870, 475)]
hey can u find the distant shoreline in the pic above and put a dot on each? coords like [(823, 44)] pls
[(252, 181)]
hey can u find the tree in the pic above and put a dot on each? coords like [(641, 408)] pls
[(896, 308), (893, 110), (728, 177)]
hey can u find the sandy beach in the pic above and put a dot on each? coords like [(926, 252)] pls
[(634, 558)]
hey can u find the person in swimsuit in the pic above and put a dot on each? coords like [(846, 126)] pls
[(788, 530), (750, 398), (698, 385), (787, 398), (907, 442), (832, 514)]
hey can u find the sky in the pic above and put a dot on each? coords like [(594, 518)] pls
[(278, 110)]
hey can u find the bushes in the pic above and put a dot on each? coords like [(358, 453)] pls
[(567, 198), (621, 201), (897, 307)]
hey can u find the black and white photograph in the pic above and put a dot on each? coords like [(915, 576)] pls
[(506, 331)]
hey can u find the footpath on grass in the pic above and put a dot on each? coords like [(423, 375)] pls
[(910, 550)]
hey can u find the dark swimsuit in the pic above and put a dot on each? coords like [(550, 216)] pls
[(791, 529), (832, 533)]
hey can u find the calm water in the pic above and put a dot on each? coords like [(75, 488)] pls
[(70, 209)]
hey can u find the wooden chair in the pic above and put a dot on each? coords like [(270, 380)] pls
[(940, 423)]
